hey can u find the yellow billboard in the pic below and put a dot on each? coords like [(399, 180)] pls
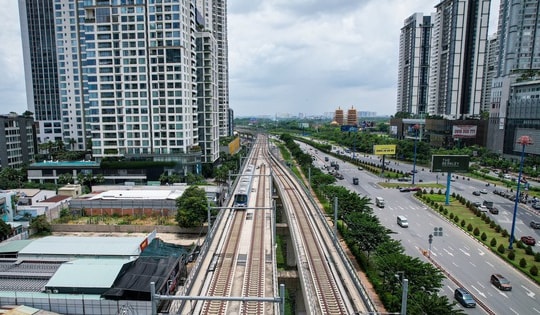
[(234, 145), (382, 149)]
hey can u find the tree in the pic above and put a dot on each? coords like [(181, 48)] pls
[(192, 207), (89, 179), (66, 178), (423, 277), (431, 304), (221, 174), (5, 230), (72, 143), (41, 225), (366, 231), (11, 178)]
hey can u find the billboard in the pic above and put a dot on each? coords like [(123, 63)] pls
[(450, 163), (464, 131), (382, 149), (349, 128), (234, 145)]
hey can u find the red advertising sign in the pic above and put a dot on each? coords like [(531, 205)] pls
[(464, 131)]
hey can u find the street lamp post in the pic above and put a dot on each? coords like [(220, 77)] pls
[(523, 140), (415, 127)]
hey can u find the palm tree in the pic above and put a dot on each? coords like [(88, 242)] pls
[(72, 143)]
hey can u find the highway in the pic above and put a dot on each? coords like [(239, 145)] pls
[(468, 262)]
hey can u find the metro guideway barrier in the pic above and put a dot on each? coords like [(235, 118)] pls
[(155, 298)]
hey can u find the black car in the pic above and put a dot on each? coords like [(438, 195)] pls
[(464, 297), (476, 193), (494, 210), (535, 225), (500, 282)]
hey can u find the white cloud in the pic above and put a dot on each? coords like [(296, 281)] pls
[(12, 88), (286, 56), (311, 56)]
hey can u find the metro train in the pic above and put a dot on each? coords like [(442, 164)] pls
[(241, 197)]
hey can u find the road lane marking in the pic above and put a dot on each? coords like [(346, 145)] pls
[(464, 252), (478, 291), (529, 292), (449, 253)]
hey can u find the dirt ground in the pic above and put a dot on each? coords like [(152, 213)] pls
[(178, 239)]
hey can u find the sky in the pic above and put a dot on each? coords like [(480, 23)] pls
[(285, 56)]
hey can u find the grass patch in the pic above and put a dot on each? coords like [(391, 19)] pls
[(490, 234), (426, 186)]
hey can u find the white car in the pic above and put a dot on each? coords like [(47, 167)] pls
[(483, 208)]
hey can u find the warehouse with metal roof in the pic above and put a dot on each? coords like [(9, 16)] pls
[(75, 275)]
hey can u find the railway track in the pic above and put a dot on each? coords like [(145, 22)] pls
[(228, 268), (242, 265), (255, 274), (322, 291)]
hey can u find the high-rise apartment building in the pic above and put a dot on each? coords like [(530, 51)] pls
[(458, 52), (219, 29), (413, 68), (519, 36), (518, 53), (489, 72), (127, 73), (17, 140), (41, 68), (207, 92)]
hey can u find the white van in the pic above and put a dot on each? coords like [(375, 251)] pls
[(379, 201), (402, 221)]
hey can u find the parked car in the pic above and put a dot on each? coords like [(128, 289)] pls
[(536, 205), (494, 210), (477, 203), (483, 191), (415, 189), (535, 225), (476, 193), (528, 240), (501, 282), (464, 297)]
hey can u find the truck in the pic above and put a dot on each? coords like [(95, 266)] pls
[(355, 180)]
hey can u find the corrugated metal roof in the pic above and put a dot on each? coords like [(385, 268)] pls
[(87, 273), (81, 246), (139, 194)]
